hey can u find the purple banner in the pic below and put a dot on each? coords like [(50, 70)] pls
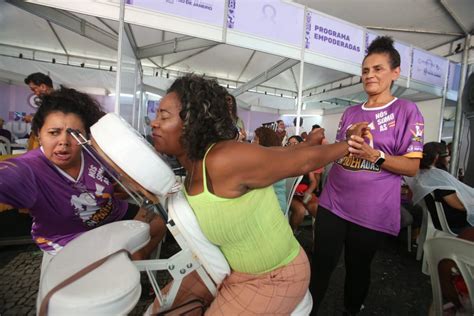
[(403, 50), (334, 38), (429, 68), (272, 19), (454, 76), (206, 11)]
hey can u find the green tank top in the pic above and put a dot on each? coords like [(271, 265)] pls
[(251, 231)]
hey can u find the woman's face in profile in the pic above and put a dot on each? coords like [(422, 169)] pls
[(167, 126), (230, 103), (58, 145), (377, 76)]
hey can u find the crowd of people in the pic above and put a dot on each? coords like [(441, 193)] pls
[(237, 189)]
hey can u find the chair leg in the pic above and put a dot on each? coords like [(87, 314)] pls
[(409, 238), (421, 238)]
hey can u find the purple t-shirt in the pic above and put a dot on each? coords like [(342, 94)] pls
[(61, 207), (361, 192)]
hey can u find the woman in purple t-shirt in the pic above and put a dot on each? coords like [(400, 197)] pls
[(66, 191), (360, 202)]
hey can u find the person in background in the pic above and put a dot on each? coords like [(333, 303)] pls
[(266, 137), (444, 156), (457, 198), (40, 84), (4, 132), (460, 170), (318, 173), (360, 202), (228, 186), (304, 200), (66, 191), (291, 130), (232, 106), (281, 132)]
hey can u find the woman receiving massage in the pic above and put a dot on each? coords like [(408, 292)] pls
[(65, 190), (228, 185)]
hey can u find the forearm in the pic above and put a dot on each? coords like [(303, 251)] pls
[(401, 165), (321, 155), (453, 201)]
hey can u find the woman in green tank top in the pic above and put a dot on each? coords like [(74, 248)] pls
[(228, 185)]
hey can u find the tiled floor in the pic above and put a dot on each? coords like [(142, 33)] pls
[(398, 286)]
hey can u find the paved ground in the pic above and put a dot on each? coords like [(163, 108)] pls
[(398, 286)]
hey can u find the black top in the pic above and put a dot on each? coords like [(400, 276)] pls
[(6, 133), (457, 219)]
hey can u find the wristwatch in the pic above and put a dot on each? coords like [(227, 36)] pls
[(380, 160)]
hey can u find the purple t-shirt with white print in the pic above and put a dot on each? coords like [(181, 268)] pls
[(61, 207), (359, 191)]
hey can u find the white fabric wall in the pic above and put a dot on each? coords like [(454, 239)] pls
[(308, 121), (431, 111), (330, 122)]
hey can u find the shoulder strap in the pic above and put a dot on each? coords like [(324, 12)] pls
[(204, 178)]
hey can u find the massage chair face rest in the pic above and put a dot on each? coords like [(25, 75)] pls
[(132, 154)]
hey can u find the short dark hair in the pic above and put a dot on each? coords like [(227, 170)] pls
[(206, 118), (67, 100), (384, 45), (431, 151), (39, 78), (301, 121), (297, 137), (267, 137), (315, 126)]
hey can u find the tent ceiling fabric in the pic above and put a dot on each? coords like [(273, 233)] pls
[(235, 65), (426, 15)]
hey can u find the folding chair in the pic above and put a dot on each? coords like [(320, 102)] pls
[(5, 146), (99, 292), (291, 184)]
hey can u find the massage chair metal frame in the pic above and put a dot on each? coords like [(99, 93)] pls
[(209, 264), (179, 265)]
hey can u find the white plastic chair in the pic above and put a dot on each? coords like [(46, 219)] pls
[(291, 184), (407, 219), (5, 146), (442, 216), (427, 231), (462, 253), (90, 295)]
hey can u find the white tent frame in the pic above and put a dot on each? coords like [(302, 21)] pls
[(200, 35)]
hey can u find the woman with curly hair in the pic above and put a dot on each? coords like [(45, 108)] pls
[(228, 185), (65, 190)]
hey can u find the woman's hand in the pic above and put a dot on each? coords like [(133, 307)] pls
[(360, 149), (315, 137), (358, 129)]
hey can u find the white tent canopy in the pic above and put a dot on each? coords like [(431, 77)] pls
[(74, 38)]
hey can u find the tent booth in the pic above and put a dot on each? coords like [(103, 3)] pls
[(297, 62), (281, 59)]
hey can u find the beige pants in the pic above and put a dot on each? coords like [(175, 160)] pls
[(276, 292)]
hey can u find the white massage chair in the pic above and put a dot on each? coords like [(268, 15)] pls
[(111, 286)]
